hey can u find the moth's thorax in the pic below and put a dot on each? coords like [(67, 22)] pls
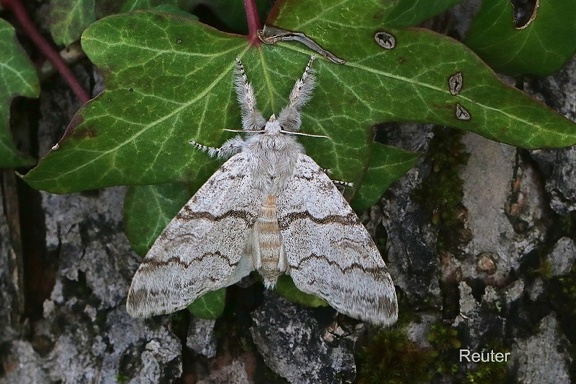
[(273, 157)]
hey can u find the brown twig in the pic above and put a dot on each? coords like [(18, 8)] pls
[(253, 21)]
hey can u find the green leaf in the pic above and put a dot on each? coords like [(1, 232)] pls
[(410, 82), (130, 5), (540, 48), (210, 305), (388, 165), (69, 18), (17, 77), (403, 13), (169, 81), (148, 209), (171, 6), (285, 287)]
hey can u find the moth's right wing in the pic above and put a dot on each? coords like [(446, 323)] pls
[(203, 248), (329, 252)]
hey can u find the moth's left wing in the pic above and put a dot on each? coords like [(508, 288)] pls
[(204, 248), (329, 252)]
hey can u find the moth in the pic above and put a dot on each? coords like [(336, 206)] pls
[(272, 209)]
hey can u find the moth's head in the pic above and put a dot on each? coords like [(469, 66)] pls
[(272, 126)]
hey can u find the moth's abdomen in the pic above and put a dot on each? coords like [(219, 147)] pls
[(269, 258)]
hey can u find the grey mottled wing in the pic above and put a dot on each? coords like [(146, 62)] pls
[(329, 252), (203, 248)]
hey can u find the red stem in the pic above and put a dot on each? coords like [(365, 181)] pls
[(253, 21), (18, 10)]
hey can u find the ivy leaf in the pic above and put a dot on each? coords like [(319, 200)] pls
[(285, 287), (134, 133), (169, 81), (386, 166), (69, 18), (134, 5), (411, 81), (403, 13), (210, 305), (539, 47), (148, 209), (17, 77)]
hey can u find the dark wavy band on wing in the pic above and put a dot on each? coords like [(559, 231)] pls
[(186, 213), (286, 220), (375, 271), (150, 262)]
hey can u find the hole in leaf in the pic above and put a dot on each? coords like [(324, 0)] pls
[(524, 12), (462, 113), (385, 40), (455, 83)]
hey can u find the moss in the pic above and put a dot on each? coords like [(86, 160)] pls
[(391, 358), (544, 270), (441, 192), (443, 337), (445, 341), (490, 372), (567, 224), (493, 373), (562, 296), (563, 292)]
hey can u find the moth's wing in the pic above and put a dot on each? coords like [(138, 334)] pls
[(205, 247), (329, 252)]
